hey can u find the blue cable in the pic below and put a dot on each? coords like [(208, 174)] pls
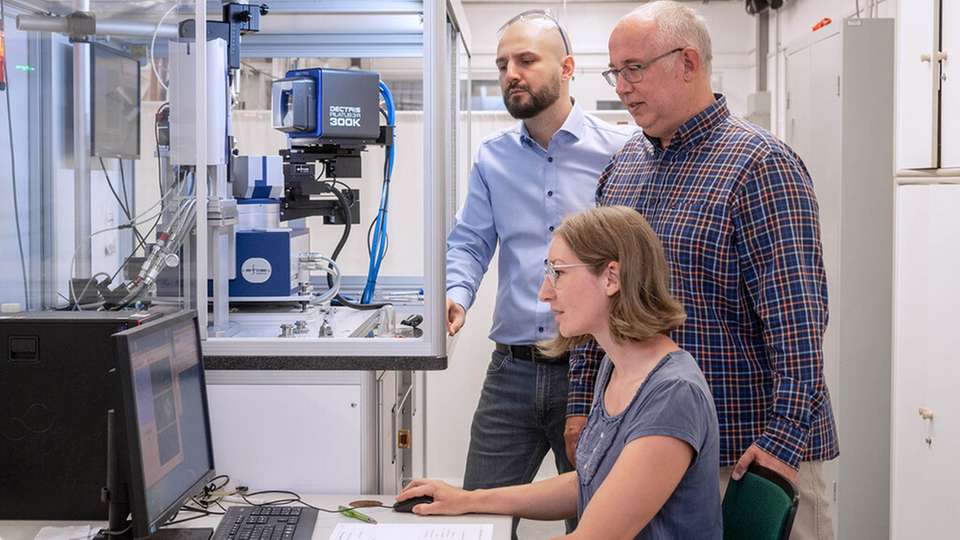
[(379, 241), (378, 245)]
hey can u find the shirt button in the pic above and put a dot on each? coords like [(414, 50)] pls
[(540, 329), (551, 228), (550, 159), (550, 194)]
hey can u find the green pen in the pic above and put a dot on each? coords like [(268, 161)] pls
[(350, 512)]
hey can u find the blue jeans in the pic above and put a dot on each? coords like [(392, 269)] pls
[(521, 415)]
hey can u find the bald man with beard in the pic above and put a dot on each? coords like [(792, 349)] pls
[(524, 181)]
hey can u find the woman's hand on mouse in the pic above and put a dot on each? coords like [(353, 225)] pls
[(447, 500)]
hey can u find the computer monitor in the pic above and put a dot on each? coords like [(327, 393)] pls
[(114, 103), (168, 445)]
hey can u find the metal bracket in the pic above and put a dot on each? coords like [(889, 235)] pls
[(80, 26)]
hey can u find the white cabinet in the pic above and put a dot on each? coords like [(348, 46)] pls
[(928, 84), (306, 431), (950, 85), (837, 79), (926, 383)]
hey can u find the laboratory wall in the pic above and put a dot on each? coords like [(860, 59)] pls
[(589, 24)]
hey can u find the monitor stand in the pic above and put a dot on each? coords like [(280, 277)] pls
[(118, 507)]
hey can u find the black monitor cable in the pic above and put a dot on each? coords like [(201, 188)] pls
[(106, 532), (293, 497), (212, 495)]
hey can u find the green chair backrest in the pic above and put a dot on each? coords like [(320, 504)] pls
[(759, 506)]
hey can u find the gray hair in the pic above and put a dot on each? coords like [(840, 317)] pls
[(678, 25)]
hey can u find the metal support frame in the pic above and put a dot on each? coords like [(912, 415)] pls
[(81, 151), (762, 47), (42, 263), (101, 27), (200, 77)]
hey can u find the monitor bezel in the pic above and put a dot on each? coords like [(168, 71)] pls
[(142, 525)]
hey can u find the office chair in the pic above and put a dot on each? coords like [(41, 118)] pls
[(759, 506)]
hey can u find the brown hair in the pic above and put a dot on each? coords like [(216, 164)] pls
[(643, 307)]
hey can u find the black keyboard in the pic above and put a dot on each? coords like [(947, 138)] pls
[(267, 523)]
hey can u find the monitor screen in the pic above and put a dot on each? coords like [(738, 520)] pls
[(115, 103), (168, 431)]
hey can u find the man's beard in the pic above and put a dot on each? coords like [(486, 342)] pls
[(538, 101)]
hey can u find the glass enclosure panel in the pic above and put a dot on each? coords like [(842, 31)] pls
[(273, 173), (291, 233), (304, 282), (101, 221)]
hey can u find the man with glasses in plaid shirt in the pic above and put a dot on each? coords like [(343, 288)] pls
[(735, 210), (525, 180)]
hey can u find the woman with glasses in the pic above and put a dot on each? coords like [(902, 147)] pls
[(646, 464)]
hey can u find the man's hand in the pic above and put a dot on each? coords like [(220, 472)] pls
[(455, 316), (754, 453), (571, 434)]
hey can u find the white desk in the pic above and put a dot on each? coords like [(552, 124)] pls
[(27, 530)]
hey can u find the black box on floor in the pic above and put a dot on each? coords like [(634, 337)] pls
[(56, 385)]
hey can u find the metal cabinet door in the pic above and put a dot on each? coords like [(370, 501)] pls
[(926, 372), (917, 73), (306, 436), (950, 85)]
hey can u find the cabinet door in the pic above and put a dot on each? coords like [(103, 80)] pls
[(926, 370), (823, 160), (299, 437), (798, 109), (950, 85), (916, 86), (943, 366)]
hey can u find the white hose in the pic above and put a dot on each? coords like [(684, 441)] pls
[(153, 41), (332, 269)]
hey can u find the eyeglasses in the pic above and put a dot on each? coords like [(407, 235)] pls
[(542, 14), (550, 270), (633, 73)]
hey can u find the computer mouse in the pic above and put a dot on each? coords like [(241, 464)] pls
[(407, 505)]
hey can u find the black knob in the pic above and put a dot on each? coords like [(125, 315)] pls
[(412, 321)]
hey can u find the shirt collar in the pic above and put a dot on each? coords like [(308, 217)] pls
[(696, 128), (574, 125)]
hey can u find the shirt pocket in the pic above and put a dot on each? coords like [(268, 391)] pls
[(593, 447), (694, 234)]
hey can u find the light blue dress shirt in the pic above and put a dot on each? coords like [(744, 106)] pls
[(518, 193)]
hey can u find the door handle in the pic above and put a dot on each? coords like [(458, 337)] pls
[(925, 413)]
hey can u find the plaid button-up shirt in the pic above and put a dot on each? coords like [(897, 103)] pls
[(735, 211)]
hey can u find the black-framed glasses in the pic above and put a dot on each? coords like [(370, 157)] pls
[(550, 270), (542, 14), (633, 73)]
